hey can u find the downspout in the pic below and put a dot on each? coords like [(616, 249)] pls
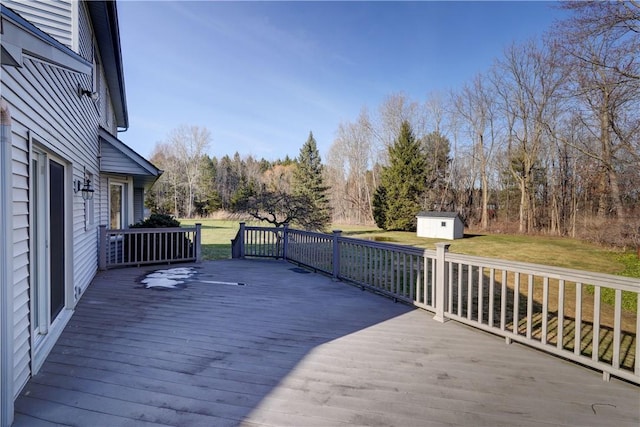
[(6, 269)]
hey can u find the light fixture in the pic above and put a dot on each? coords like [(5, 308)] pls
[(85, 188), (87, 92)]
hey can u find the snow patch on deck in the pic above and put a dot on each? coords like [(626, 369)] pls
[(168, 279)]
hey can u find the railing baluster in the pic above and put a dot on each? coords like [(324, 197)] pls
[(432, 281), (617, 320), (469, 292), (595, 348), (577, 337), (545, 308), (529, 306), (491, 295), (503, 301), (450, 288), (460, 271), (560, 326), (480, 294), (516, 304)]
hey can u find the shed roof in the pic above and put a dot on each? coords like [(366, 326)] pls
[(425, 214)]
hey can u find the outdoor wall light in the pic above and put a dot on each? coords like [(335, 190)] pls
[(87, 92), (86, 189)]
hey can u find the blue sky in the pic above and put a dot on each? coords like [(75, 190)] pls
[(261, 75)]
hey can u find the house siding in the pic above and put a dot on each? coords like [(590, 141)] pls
[(53, 17), (114, 161), (85, 33), (21, 319), (65, 125), (138, 204), (103, 201), (45, 117)]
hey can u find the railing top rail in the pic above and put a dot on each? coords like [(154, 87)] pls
[(260, 227), (560, 273), (148, 230), (567, 274), (388, 246), (311, 233)]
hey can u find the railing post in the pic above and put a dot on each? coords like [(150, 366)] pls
[(102, 247), (336, 254), (241, 236), (441, 279), (285, 242), (198, 242)]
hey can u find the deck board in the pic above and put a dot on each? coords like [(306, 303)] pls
[(291, 349)]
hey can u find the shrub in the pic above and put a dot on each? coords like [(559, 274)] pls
[(157, 220), (142, 247)]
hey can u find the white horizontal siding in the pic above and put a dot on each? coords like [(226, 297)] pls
[(103, 206), (45, 107), (21, 329), (115, 161), (53, 17), (85, 38), (138, 204), (44, 103)]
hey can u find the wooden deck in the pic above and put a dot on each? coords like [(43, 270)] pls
[(291, 348)]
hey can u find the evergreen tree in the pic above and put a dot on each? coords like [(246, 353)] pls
[(403, 182), (308, 183), (380, 206)]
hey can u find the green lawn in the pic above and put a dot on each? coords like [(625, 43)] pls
[(216, 236), (556, 251)]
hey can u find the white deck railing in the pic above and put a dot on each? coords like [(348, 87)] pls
[(138, 246), (589, 318)]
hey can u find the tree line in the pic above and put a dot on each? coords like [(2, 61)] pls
[(547, 140), (289, 191)]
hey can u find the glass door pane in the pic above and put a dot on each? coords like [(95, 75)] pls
[(115, 206)]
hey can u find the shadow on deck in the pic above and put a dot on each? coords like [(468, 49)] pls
[(295, 348)]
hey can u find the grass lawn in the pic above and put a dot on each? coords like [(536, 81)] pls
[(556, 251), (216, 236)]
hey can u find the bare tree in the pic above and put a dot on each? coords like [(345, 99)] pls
[(600, 45), (166, 194), (616, 21), (527, 80), (189, 143), (350, 164), (476, 107)]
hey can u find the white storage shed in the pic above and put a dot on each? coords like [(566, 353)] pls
[(440, 225)]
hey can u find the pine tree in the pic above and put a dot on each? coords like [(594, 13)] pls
[(380, 207), (308, 183), (403, 182)]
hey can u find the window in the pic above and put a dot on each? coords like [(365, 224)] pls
[(443, 224)]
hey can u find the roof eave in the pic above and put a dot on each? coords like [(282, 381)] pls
[(20, 37), (104, 16), (153, 172)]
